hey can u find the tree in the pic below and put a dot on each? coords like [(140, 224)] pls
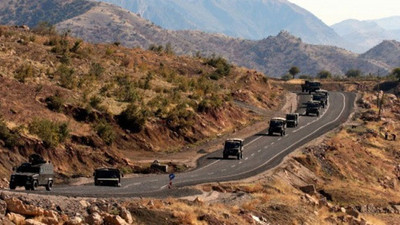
[(396, 73), (286, 77), (353, 73), (324, 74), (294, 71)]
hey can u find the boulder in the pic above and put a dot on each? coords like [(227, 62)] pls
[(74, 221), (17, 206), (33, 222), (126, 215), (114, 220), (94, 218), (352, 212), (3, 208), (16, 218)]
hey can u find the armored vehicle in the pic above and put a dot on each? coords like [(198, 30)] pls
[(107, 176), (277, 125), (233, 147), (292, 119), (313, 107), (310, 86), (37, 172), (321, 98)]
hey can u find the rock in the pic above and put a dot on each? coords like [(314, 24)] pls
[(397, 208), (3, 208), (309, 189), (311, 200), (94, 219), (16, 218), (198, 201), (342, 209), (50, 221), (50, 217), (16, 206), (33, 222), (126, 215), (74, 221), (352, 212), (84, 203), (93, 208), (114, 220)]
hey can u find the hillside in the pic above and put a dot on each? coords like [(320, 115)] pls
[(387, 52), (84, 106), (258, 21), (272, 55)]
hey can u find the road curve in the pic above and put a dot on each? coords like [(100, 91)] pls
[(261, 152)]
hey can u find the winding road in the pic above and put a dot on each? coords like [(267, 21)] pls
[(261, 153)]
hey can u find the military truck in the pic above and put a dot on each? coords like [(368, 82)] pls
[(233, 147), (277, 125), (292, 119), (321, 98), (310, 86), (107, 176), (37, 172), (325, 93), (313, 107)]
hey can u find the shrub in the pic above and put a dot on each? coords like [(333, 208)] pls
[(55, 103), (96, 69), (133, 118), (105, 132), (95, 101), (287, 77), (76, 46), (67, 78), (223, 68), (10, 138), (25, 71), (353, 73), (51, 133), (324, 74), (45, 28)]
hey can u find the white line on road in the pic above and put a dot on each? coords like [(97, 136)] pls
[(265, 147), (259, 150), (211, 173), (223, 170), (252, 154), (246, 158), (272, 143), (279, 139), (233, 166)]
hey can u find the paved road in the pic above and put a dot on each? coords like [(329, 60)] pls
[(261, 153)]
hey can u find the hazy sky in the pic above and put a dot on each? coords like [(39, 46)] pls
[(333, 11)]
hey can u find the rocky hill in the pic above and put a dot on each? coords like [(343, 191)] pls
[(258, 21), (274, 55), (387, 52), (84, 106)]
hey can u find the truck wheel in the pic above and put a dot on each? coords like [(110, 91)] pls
[(49, 185), (225, 156), (309, 92), (307, 114), (27, 187), (12, 186), (238, 156), (96, 182), (317, 114), (34, 185)]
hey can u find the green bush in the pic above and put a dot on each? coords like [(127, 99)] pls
[(133, 118), (25, 71), (95, 102), (66, 75), (96, 69), (55, 103), (51, 133), (105, 132), (223, 68), (11, 138)]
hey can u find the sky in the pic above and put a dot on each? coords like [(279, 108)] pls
[(334, 11)]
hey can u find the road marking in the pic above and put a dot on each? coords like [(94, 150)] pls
[(252, 141), (279, 139), (259, 150), (284, 150), (265, 147), (193, 175), (246, 158), (240, 162), (211, 173), (252, 154), (272, 143), (233, 166), (223, 170), (153, 180)]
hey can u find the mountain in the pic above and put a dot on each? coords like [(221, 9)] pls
[(274, 55), (387, 52), (249, 19), (363, 35)]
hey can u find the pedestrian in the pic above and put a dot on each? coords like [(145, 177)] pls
[(394, 137)]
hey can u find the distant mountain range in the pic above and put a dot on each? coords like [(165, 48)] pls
[(248, 19), (274, 55), (363, 35)]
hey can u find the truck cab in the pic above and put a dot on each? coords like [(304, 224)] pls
[(233, 147), (310, 86), (277, 125), (321, 98), (292, 119)]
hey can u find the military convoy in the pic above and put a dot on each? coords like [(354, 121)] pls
[(37, 172), (233, 147), (292, 119)]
